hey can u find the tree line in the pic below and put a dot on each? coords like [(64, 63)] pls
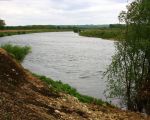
[(2, 24)]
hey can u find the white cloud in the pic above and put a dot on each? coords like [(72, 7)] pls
[(19, 12)]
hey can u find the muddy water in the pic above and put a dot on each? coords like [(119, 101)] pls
[(76, 60)]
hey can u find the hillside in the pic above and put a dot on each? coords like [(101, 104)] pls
[(24, 97)]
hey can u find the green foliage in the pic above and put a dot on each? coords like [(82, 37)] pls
[(115, 34), (58, 27), (2, 24), (58, 86), (76, 30), (18, 52), (117, 26), (1, 34), (129, 73), (18, 32)]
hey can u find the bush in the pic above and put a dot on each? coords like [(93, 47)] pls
[(16, 51), (1, 35)]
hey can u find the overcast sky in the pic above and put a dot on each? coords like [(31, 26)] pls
[(64, 12)]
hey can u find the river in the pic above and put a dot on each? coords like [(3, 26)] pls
[(66, 56)]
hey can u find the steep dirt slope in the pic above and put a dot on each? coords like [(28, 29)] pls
[(24, 97)]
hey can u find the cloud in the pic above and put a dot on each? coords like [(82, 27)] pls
[(28, 12)]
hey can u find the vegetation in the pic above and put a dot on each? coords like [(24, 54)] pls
[(114, 33), (67, 27), (129, 73), (117, 26), (2, 24), (76, 30), (16, 51), (101, 31), (6, 33), (17, 32), (39, 27), (58, 86)]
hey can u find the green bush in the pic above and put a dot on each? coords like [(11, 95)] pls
[(18, 52), (1, 34)]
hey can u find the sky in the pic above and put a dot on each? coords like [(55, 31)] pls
[(60, 12)]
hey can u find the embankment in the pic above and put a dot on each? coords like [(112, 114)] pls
[(25, 97)]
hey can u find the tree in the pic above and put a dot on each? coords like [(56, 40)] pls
[(2, 24), (76, 29), (129, 73)]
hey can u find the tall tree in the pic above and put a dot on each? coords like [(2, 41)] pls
[(129, 73), (2, 24)]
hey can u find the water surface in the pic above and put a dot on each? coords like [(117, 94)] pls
[(76, 60)]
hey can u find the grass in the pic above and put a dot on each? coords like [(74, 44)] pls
[(115, 34), (58, 86), (18, 52), (2, 34), (18, 32)]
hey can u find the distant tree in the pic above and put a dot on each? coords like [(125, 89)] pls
[(2, 24), (116, 26), (76, 30)]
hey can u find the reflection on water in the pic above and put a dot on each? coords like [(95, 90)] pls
[(78, 61)]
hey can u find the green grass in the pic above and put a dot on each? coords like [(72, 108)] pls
[(17, 32), (2, 34), (58, 86), (115, 34), (16, 51)]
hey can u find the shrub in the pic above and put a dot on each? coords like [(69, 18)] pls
[(18, 52), (1, 34)]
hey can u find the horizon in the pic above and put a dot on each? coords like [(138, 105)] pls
[(61, 25), (61, 12)]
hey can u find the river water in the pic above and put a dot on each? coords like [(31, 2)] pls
[(66, 56)]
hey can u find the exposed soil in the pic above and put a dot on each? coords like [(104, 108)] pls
[(24, 97)]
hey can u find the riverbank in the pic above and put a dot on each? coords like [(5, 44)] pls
[(18, 32), (107, 33), (19, 53), (24, 96), (58, 86)]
